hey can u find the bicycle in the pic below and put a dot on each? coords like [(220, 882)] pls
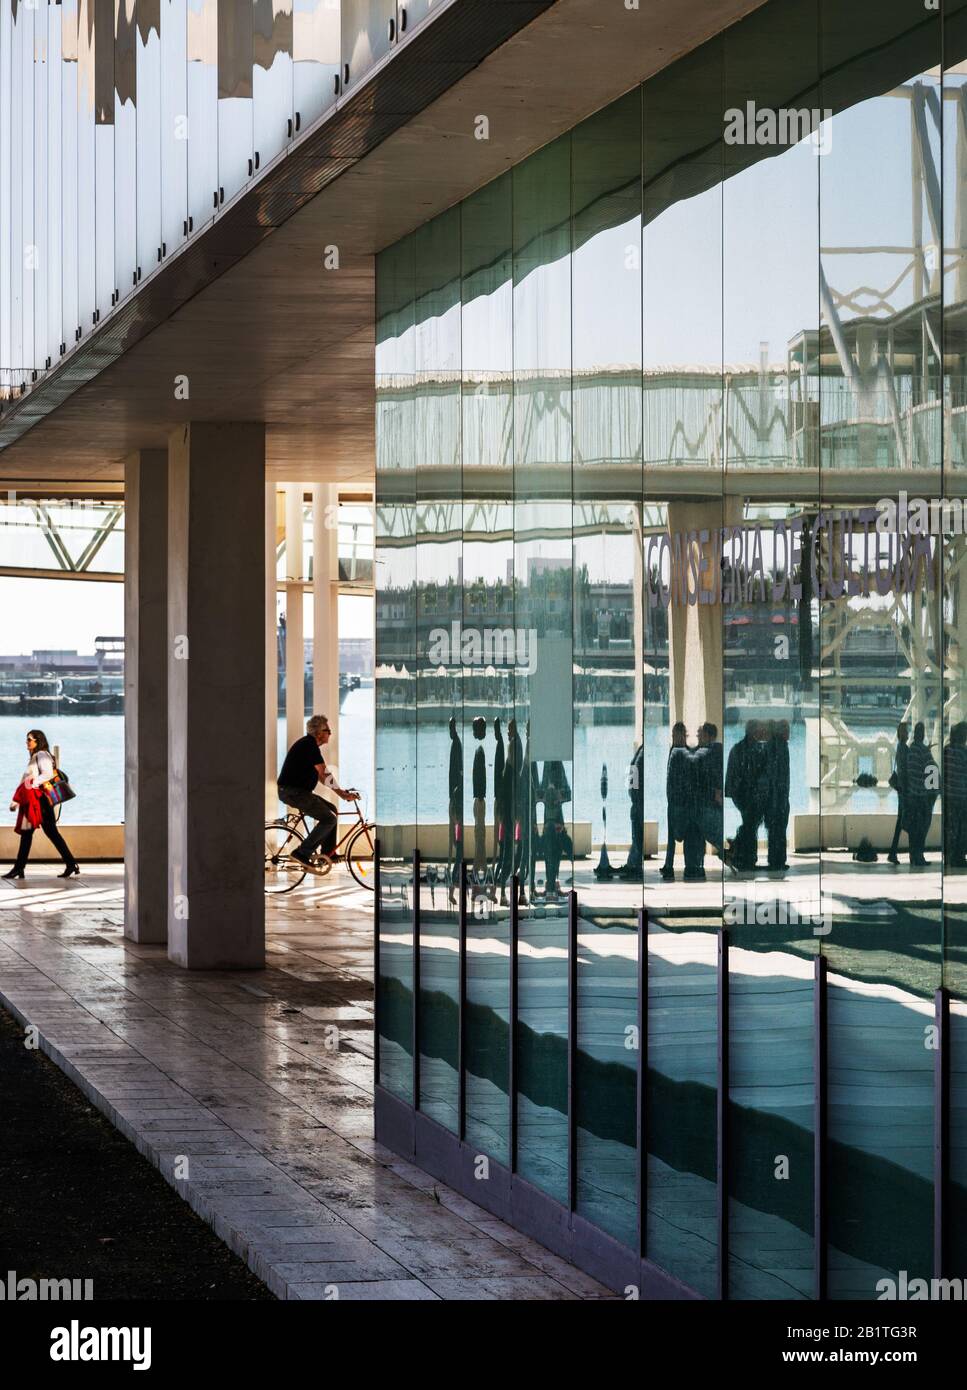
[(356, 848)]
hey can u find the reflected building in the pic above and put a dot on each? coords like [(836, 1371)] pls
[(642, 401)]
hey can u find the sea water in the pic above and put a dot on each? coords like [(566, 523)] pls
[(92, 754)]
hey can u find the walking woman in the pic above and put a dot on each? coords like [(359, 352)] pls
[(34, 808)]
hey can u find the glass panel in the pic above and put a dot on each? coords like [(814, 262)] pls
[(774, 914), (6, 181), (608, 657), (125, 147), (39, 157), (488, 558), (55, 178), (682, 356), (540, 738), (106, 282), (880, 644), (235, 150), (441, 813), (148, 57), (203, 144), (414, 12), (174, 128), (365, 34), (70, 108), (85, 165), (315, 44), (955, 612), (27, 209), (272, 76), (15, 359), (396, 748)]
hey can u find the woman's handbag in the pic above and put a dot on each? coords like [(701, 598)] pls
[(58, 789)]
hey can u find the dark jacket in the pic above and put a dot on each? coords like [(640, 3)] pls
[(510, 791), (479, 774), (919, 761), (955, 774), (456, 772), (707, 764), (680, 777), (499, 776), (747, 777), (553, 789)]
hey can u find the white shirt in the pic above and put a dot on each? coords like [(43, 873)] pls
[(40, 769)]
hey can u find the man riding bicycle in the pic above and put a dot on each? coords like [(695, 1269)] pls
[(304, 768)]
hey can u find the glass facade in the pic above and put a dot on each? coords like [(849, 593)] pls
[(670, 715), (125, 125)]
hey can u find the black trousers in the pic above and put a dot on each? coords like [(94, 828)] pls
[(323, 834), (777, 825), (49, 826), (919, 809), (746, 844), (901, 819), (955, 832)]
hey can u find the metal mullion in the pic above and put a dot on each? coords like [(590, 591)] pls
[(820, 1123), (462, 1006), (722, 1114), (416, 979), (572, 1017), (941, 1132), (640, 1118)]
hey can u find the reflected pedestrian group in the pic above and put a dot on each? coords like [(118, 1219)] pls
[(756, 780)]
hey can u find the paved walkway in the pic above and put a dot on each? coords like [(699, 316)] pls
[(262, 1080)]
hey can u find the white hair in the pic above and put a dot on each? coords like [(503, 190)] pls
[(315, 723)]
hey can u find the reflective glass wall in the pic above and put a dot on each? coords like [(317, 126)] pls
[(671, 722), (125, 125)]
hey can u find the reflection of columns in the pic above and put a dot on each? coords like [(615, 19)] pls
[(146, 696), (216, 695), (271, 654), (695, 632), (295, 648), (325, 609)]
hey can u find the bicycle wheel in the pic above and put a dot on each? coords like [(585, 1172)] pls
[(282, 872), (362, 868)]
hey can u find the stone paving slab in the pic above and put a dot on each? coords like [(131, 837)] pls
[(231, 1072)]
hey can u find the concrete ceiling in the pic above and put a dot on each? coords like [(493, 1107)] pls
[(275, 336)]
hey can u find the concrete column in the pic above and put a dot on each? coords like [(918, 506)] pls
[(325, 610), (295, 648), (216, 695), (271, 655), (146, 696), (696, 635)]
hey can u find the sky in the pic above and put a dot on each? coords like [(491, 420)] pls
[(67, 614), (58, 614)]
